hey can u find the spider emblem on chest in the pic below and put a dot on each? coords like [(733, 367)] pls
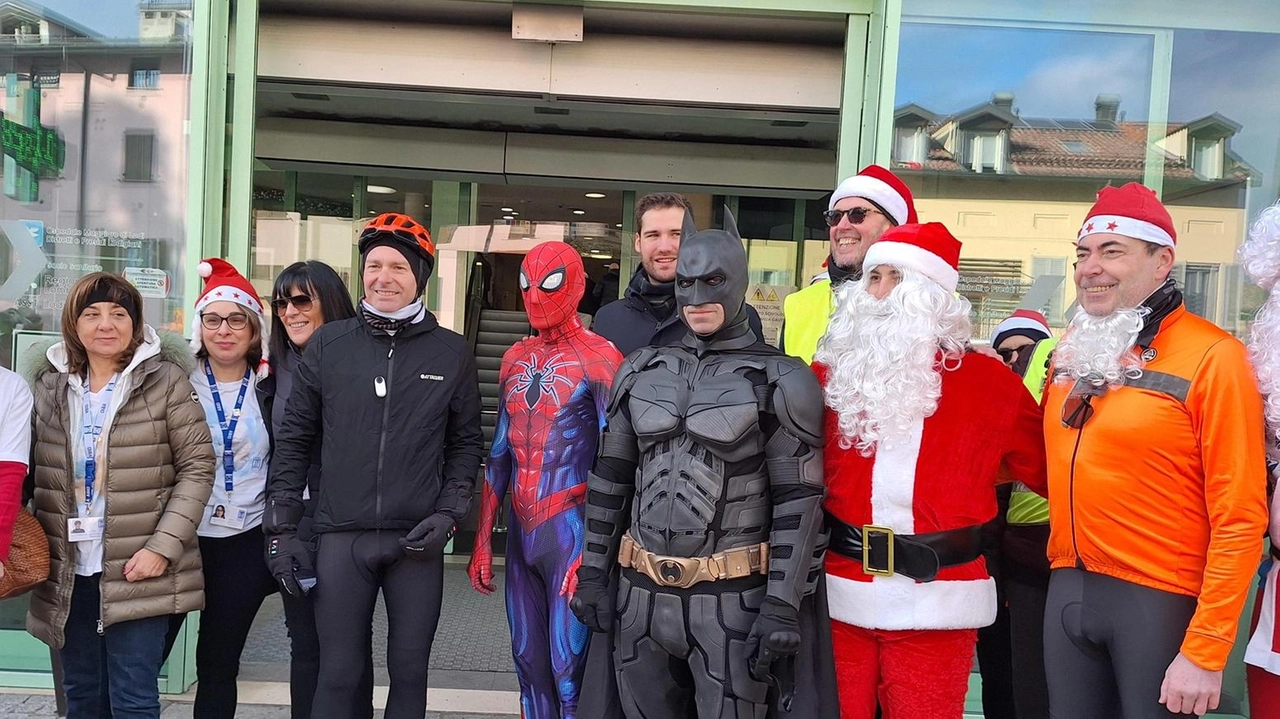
[(533, 378)]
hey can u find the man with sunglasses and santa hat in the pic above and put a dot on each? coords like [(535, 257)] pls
[(861, 209), (918, 433), (1157, 500)]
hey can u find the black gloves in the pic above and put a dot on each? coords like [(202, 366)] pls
[(429, 537), (289, 561), (593, 602), (774, 635)]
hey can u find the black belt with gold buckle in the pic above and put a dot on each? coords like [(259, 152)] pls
[(883, 553)]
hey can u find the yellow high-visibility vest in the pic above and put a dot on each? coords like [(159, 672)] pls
[(1025, 506), (805, 315)]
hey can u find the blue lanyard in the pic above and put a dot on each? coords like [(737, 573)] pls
[(228, 428), (91, 434)]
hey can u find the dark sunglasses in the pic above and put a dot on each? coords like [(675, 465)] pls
[(1008, 354), (302, 302), (1078, 409), (855, 215)]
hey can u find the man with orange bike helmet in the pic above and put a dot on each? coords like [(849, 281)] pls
[(398, 397)]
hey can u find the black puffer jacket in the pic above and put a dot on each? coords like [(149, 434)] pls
[(632, 323), (391, 456)]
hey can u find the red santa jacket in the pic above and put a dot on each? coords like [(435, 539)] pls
[(987, 429)]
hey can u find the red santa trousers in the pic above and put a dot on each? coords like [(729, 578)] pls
[(915, 674)]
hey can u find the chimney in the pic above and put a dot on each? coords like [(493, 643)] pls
[(1003, 100), (1107, 108)]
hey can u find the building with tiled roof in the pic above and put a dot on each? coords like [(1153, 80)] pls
[(1014, 190)]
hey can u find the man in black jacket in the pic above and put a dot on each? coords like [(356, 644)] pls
[(646, 316), (397, 399)]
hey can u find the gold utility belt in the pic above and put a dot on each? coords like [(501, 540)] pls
[(684, 572)]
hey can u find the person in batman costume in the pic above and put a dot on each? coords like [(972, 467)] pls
[(704, 541)]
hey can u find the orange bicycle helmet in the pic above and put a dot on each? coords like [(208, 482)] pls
[(402, 232)]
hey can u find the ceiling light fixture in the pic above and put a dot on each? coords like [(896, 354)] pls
[(380, 189), (595, 195), (579, 212), (508, 217), (507, 209)]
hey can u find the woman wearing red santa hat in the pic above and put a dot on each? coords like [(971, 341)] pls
[(919, 431), (230, 342)]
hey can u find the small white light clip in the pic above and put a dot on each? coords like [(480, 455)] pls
[(380, 386)]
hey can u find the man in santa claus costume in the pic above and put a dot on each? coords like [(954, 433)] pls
[(1260, 258), (918, 432)]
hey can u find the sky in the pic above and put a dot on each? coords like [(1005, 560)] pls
[(111, 18)]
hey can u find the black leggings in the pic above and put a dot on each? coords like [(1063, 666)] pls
[(350, 569), (1024, 570), (304, 661), (1107, 644), (236, 580)]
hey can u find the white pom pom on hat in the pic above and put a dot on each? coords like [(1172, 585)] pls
[(204, 269)]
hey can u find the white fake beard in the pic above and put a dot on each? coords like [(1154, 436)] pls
[(1264, 348), (882, 358), (1101, 347), (1260, 258)]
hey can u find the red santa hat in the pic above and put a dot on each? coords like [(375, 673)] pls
[(224, 283), (929, 249), (884, 189), (1022, 323), (1133, 211)]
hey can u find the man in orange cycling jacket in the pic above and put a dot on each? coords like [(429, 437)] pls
[(1157, 497)]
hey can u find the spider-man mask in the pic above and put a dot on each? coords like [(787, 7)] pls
[(552, 281)]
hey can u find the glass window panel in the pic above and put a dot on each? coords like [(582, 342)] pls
[(94, 177), (99, 180), (138, 162), (1020, 138), (766, 218), (1224, 115)]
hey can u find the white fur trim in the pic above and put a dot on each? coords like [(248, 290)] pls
[(1262, 650), (230, 293), (913, 257), (1127, 226), (204, 269), (1019, 323), (893, 482), (900, 602), (878, 191)]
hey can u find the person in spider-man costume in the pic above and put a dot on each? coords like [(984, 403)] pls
[(554, 393)]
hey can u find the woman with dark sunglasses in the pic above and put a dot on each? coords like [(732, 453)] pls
[(305, 296)]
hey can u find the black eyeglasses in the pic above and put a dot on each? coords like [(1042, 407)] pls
[(856, 215), (212, 320), (1008, 354), (302, 302), (1078, 409)]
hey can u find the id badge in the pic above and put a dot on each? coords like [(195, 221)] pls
[(229, 515), (85, 529)]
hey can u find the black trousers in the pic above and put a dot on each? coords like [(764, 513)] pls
[(1024, 569), (236, 581), (1107, 644), (995, 664), (351, 567), (304, 661)]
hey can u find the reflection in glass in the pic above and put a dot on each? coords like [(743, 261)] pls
[(95, 103)]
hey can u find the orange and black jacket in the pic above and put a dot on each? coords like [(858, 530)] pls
[(1164, 484)]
